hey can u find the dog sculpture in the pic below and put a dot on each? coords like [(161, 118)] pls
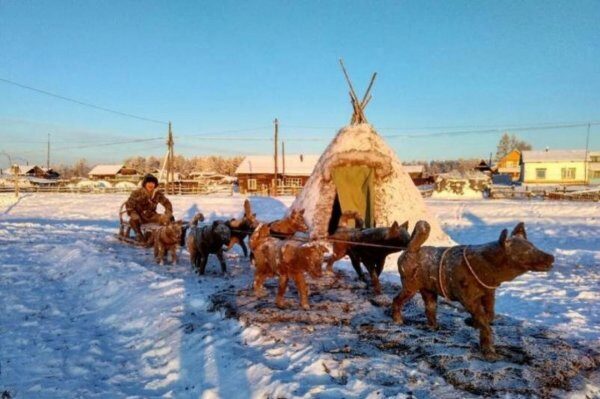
[(165, 240), (468, 274), (242, 227), (292, 223), (285, 259), (377, 244), (206, 240)]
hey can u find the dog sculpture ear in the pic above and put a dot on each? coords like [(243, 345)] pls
[(404, 225), (503, 237), (394, 227), (519, 231)]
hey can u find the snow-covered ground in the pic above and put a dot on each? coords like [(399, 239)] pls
[(83, 315)]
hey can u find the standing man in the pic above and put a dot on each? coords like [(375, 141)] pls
[(141, 206)]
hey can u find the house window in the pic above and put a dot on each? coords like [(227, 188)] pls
[(293, 182), (540, 173), (568, 173), (251, 184), (595, 158), (596, 174)]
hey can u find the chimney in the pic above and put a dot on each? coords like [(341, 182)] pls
[(301, 158), (547, 148)]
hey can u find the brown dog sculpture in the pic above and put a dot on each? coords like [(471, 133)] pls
[(166, 239), (367, 246), (292, 223), (469, 274), (285, 259), (242, 227)]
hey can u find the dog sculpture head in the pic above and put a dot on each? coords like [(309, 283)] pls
[(297, 221), (221, 232), (521, 253)]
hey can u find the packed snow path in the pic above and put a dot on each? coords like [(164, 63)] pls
[(86, 316)]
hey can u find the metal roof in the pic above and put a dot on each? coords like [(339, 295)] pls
[(102, 170), (554, 156), (295, 165)]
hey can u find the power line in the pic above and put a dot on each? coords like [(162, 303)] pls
[(492, 131), (249, 129), (109, 144), (86, 104)]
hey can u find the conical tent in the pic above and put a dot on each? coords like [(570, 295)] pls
[(359, 172)]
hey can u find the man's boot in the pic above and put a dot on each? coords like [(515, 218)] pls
[(135, 224)]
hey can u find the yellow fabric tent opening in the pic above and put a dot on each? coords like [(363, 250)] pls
[(354, 186)]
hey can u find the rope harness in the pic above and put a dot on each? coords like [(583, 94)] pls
[(473, 271), (330, 239), (464, 256)]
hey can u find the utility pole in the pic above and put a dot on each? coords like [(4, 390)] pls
[(585, 162), (283, 161), (48, 154), (275, 158), (16, 168), (170, 174)]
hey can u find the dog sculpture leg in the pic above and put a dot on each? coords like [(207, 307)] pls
[(279, 302), (259, 289), (158, 252), (202, 260), (399, 301), (174, 255), (302, 290), (356, 265), (244, 248), (223, 265), (486, 339), (488, 302), (430, 299), (372, 268)]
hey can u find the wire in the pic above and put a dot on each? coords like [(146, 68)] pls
[(82, 102), (109, 144), (488, 131), (250, 129)]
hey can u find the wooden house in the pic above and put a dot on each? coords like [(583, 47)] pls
[(417, 174), (115, 172), (510, 165), (256, 173)]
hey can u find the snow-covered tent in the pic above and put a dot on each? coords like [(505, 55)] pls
[(359, 172)]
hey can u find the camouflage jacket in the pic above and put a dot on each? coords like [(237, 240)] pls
[(145, 204)]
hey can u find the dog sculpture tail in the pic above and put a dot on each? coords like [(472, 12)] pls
[(419, 235), (198, 218)]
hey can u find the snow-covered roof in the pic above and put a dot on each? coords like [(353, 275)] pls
[(103, 170), (23, 169), (554, 156), (295, 165), (413, 168)]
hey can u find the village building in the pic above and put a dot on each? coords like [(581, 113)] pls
[(417, 174), (117, 172), (565, 167), (256, 172), (510, 165), (34, 171)]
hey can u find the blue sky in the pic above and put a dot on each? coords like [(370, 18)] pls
[(226, 69)]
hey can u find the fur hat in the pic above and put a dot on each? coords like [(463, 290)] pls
[(149, 178)]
